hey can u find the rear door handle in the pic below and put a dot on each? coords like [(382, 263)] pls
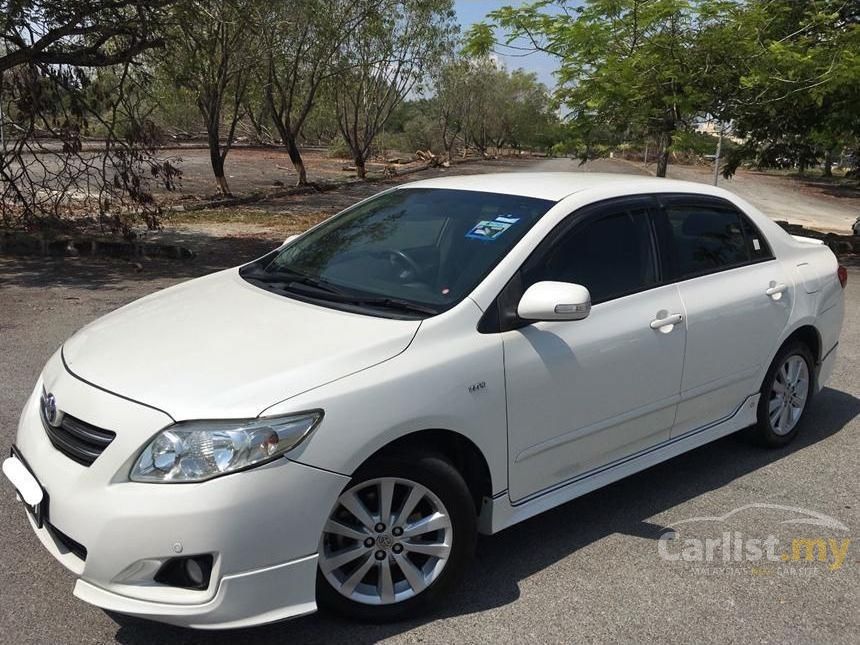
[(668, 321), (775, 290)]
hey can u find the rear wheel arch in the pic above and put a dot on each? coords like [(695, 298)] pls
[(789, 385), (809, 336)]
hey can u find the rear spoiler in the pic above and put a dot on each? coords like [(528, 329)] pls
[(807, 240)]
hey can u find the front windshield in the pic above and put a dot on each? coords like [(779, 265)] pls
[(417, 250)]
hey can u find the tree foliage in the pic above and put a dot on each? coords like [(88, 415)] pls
[(473, 105), (628, 64), (301, 41), (66, 71), (785, 71), (800, 94), (382, 61), (78, 33), (87, 89), (211, 54)]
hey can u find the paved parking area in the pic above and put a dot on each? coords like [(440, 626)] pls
[(589, 571)]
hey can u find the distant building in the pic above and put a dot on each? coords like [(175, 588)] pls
[(712, 127)]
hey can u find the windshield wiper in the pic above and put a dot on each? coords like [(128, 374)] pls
[(395, 303), (289, 277), (295, 281)]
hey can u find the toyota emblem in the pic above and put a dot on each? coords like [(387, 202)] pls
[(49, 407)]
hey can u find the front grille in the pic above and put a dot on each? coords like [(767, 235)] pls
[(77, 439), (71, 545)]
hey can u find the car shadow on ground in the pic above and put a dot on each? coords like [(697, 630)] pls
[(515, 554)]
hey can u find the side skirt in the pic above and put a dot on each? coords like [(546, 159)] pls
[(499, 512)]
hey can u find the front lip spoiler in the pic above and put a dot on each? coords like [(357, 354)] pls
[(244, 599)]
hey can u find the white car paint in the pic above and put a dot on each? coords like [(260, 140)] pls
[(563, 407), (287, 347), (730, 338), (579, 379)]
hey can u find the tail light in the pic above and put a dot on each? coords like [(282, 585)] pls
[(842, 274)]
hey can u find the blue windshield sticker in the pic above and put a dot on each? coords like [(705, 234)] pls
[(487, 230)]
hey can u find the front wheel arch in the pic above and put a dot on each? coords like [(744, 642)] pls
[(456, 448), (441, 482)]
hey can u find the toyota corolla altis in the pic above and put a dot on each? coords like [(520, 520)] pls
[(335, 422)]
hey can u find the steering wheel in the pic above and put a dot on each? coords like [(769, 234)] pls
[(407, 268)]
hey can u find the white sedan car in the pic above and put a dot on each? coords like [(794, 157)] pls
[(335, 422)]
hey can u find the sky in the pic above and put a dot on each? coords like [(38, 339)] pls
[(472, 11)]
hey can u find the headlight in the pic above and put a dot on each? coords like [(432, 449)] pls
[(194, 451)]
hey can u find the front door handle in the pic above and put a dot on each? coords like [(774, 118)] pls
[(775, 290), (669, 321)]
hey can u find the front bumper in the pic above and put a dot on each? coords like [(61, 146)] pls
[(262, 526), (242, 600)]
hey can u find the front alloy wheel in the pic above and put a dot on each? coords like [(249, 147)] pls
[(395, 541)]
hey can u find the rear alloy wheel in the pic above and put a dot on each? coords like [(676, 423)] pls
[(394, 542), (785, 395)]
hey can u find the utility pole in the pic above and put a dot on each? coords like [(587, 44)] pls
[(717, 156)]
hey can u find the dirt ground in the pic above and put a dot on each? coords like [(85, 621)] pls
[(243, 232), (257, 226), (250, 169), (226, 236), (811, 202), (808, 201)]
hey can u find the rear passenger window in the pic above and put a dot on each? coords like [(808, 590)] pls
[(611, 256), (707, 238), (757, 245)]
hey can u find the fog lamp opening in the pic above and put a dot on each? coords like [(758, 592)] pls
[(187, 572)]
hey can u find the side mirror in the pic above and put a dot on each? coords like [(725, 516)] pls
[(289, 239), (555, 301)]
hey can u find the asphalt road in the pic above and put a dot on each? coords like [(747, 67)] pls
[(589, 571)]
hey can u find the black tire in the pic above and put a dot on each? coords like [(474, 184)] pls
[(442, 479), (763, 432)]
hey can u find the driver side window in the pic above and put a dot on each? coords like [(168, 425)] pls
[(611, 254)]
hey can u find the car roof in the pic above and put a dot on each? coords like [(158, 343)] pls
[(556, 186)]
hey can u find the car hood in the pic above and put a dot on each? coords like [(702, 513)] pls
[(219, 347)]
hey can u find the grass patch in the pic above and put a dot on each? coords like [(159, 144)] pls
[(283, 222), (235, 214)]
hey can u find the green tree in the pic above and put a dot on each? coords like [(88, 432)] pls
[(78, 33), (483, 105), (382, 61), (68, 70), (452, 85), (525, 113), (211, 53), (801, 87), (628, 65), (300, 42)]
